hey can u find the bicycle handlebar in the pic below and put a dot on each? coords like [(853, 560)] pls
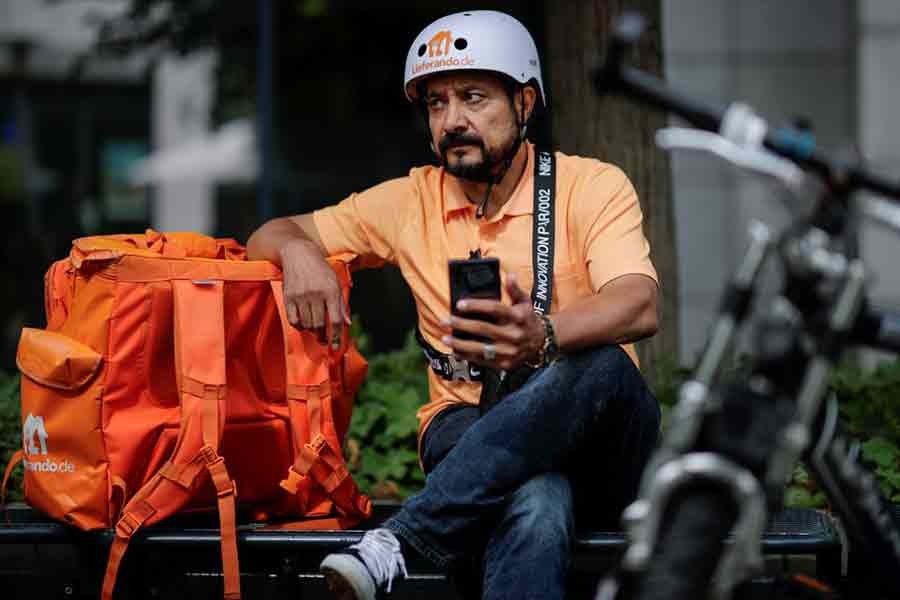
[(794, 144)]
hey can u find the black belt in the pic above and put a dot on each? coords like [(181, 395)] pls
[(446, 365)]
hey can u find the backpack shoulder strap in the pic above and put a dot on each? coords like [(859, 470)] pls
[(200, 367), (319, 460)]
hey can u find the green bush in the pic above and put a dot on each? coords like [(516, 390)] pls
[(870, 409), (381, 443), (10, 431)]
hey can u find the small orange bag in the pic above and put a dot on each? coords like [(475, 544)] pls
[(167, 357)]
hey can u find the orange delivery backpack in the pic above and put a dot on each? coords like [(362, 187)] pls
[(169, 379)]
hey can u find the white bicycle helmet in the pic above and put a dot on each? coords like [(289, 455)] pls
[(484, 40)]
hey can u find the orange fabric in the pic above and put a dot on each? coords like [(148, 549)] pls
[(225, 492), (56, 360), (421, 221), (165, 359), (118, 495)]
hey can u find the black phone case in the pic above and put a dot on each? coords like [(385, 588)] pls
[(473, 278)]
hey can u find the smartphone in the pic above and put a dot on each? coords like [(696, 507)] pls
[(473, 278)]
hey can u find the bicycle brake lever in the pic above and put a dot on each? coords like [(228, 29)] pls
[(751, 158)]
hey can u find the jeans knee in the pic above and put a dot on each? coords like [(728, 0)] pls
[(610, 357), (542, 509)]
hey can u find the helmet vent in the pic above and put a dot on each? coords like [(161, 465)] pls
[(422, 50), (461, 43)]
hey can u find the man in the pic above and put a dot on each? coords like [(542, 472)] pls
[(502, 487)]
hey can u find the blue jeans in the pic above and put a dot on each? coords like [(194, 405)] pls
[(503, 491)]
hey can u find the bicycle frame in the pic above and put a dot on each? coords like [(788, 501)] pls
[(745, 439)]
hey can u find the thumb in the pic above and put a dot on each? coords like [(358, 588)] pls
[(516, 295)]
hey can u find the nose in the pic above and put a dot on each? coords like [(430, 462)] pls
[(455, 118)]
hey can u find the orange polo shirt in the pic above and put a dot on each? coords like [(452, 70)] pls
[(421, 221)]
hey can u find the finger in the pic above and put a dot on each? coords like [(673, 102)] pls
[(293, 315), (317, 309), (345, 310), (305, 312), (473, 351), (491, 308), (500, 333), (334, 308), (516, 294)]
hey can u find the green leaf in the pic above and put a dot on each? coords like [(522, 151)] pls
[(384, 419), (365, 418), (800, 475), (797, 496), (889, 476), (881, 452)]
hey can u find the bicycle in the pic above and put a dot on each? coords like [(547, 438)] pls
[(724, 462)]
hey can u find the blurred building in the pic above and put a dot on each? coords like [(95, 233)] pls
[(73, 119), (70, 124), (832, 63)]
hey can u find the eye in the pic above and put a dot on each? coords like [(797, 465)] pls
[(473, 97), (435, 103)]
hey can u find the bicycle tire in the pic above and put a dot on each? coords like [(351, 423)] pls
[(689, 546)]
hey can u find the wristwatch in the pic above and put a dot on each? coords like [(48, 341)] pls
[(549, 350)]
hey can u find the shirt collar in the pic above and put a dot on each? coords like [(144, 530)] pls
[(520, 203)]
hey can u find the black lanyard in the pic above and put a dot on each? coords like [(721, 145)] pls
[(544, 232)]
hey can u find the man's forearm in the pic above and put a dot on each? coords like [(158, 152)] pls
[(267, 242), (623, 311)]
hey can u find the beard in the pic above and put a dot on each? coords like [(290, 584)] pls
[(482, 171)]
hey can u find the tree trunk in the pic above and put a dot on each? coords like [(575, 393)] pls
[(618, 131)]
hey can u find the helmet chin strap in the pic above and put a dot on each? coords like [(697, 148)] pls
[(508, 157)]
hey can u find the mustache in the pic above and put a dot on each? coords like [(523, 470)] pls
[(459, 139)]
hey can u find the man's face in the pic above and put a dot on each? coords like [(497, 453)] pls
[(472, 121)]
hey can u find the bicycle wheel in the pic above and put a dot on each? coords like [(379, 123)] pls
[(689, 546)]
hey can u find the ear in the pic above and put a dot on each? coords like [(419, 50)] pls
[(529, 97)]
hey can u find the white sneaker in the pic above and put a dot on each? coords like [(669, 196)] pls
[(358, 572)]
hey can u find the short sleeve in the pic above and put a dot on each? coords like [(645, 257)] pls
[(608, 223), (367, 223)]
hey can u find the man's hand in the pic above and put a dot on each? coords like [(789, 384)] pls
[(517, 335), (312, 292)]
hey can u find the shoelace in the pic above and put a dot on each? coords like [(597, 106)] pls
[(380, 551)]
